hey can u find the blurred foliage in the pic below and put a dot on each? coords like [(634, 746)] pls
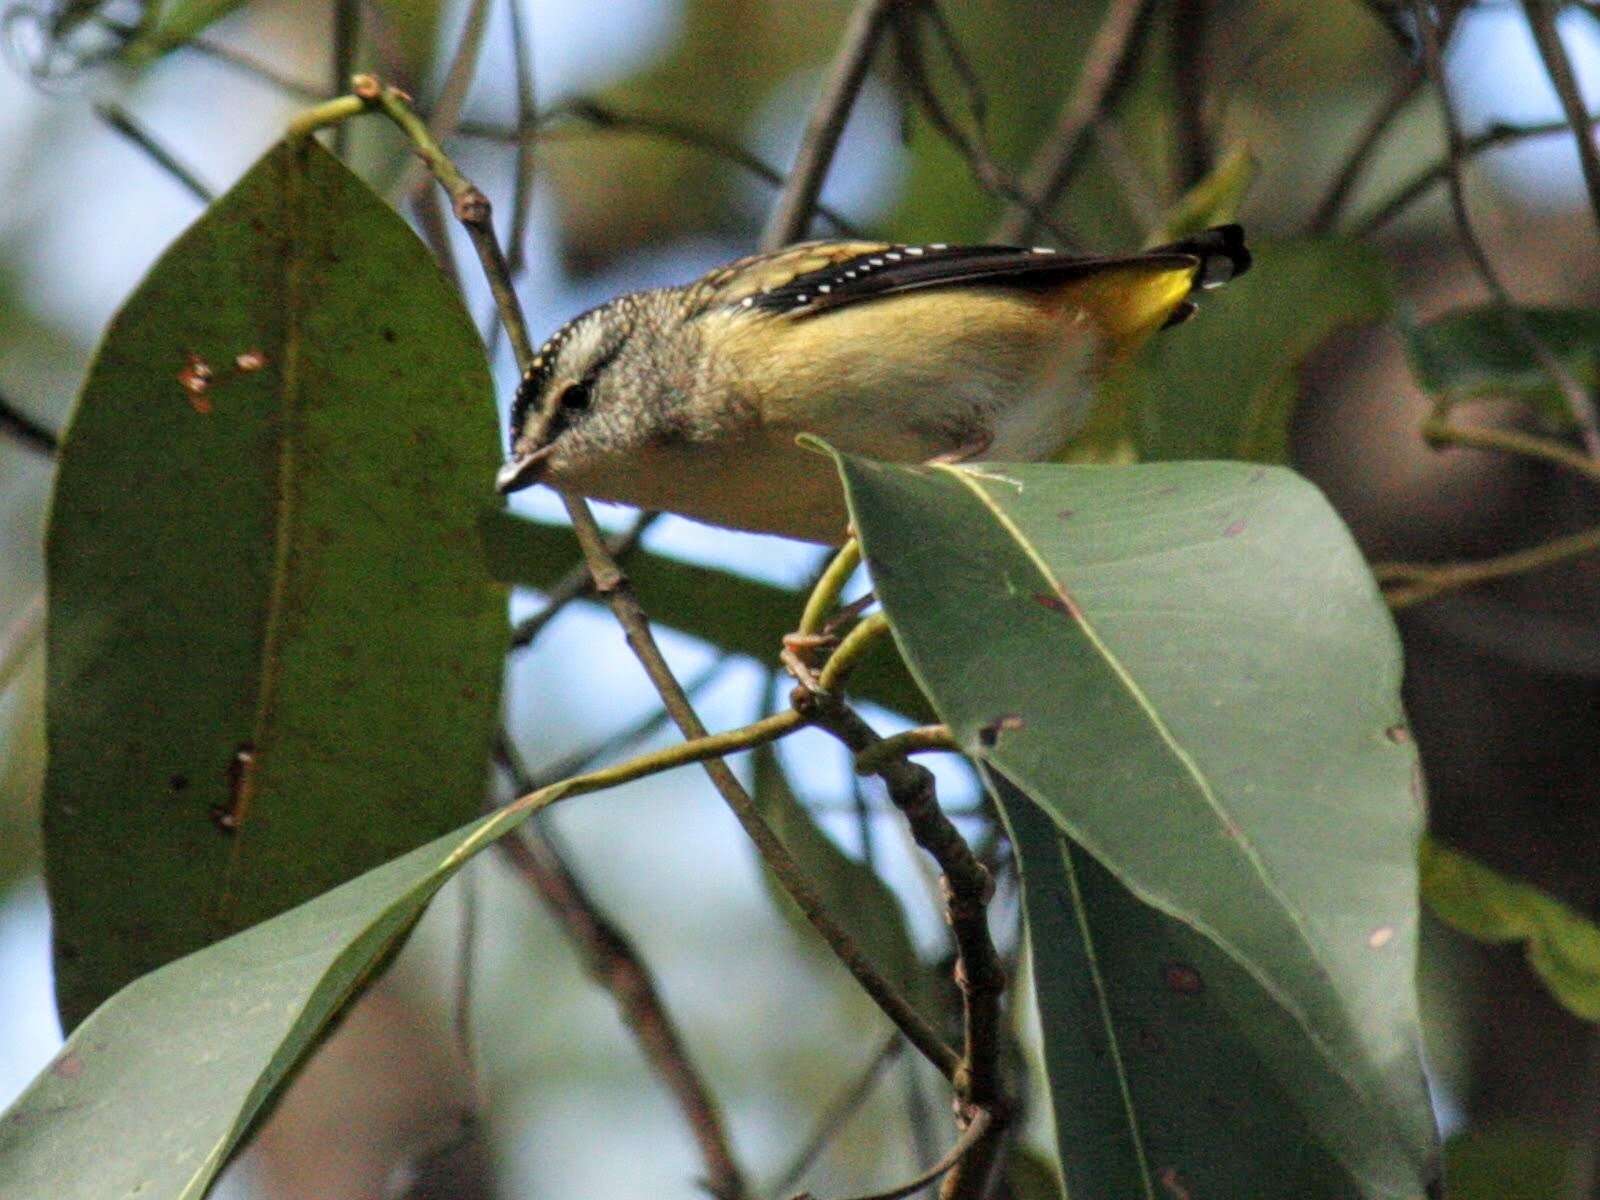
[(1507, 1160), (1562, 947), (1475, 353)]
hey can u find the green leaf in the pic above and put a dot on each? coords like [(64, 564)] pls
[(268, 603), (1562, 947), (730, 611), (1509, 1161), (1224, 384), (164, 1080), (1475, 352), (1189, 668), (1160, 1080), (851, 890)]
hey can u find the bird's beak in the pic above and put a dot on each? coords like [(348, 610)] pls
[(522, 469)]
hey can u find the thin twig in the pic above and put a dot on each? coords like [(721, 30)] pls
[(33, 434), (1326, 214), (967, 887), (1413, 583), (1107, 65), (612, 584), (614, 963), (792, 213), (1542, 21), (604, 118), (119, 119), (346, 36), (527, 124), (1441, 432), (977, 1132), (1193, 136), (837, 1113), (248, 64), (1408, 193), (446, 111), (577, 583), (1579, 403), (973, 146)]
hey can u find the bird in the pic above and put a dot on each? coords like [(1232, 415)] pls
[(690, 399)]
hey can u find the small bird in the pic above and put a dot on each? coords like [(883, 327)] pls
[(689, 399)]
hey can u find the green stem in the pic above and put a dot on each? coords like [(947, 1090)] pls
[(826, 594), (1423, 581), (920, 740), (340, 108), (856, 643)]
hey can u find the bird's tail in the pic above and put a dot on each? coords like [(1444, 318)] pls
[(1221, 251)]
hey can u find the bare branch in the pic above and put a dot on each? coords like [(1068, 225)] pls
[(119, 119), (977, 1132), (1106, 67), (1500, 134), (1579, 403), (1355, 163), (1542, 21), (838, 1113), (605, 118), (792, 213), (967, 887), (577, 583)]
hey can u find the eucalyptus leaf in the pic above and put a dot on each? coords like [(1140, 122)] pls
[(1563, 947), (156, 1089), (1475, 352), (274, 650), (1188, 668)]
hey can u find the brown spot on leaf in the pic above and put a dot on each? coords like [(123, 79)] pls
[(1235, 528), (389, 335), (1150, 1040), (1398, 734), (1380, 937), (1172, 1184), (1065, 514), (250, 360), (989, 734), (1182, 979), (178, 782), (68, 1066), (195, 380), (1059, 602), (241, 786)]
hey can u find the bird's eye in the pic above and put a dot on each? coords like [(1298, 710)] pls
[(576, 397)]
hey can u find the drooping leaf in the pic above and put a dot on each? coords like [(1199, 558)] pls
[(1189, 669), (728, 610), (274, 650), (1475, 352), (851, 890), (1224, 384), (1562, 947), (154, 1091)]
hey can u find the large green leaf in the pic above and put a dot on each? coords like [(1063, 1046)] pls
[(1189, 1100), (1562, 947), (1506, 1160), (1224, 384), (728, 610), (1189, 668), (157, 1088), (1475, 352), (274, 650)]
